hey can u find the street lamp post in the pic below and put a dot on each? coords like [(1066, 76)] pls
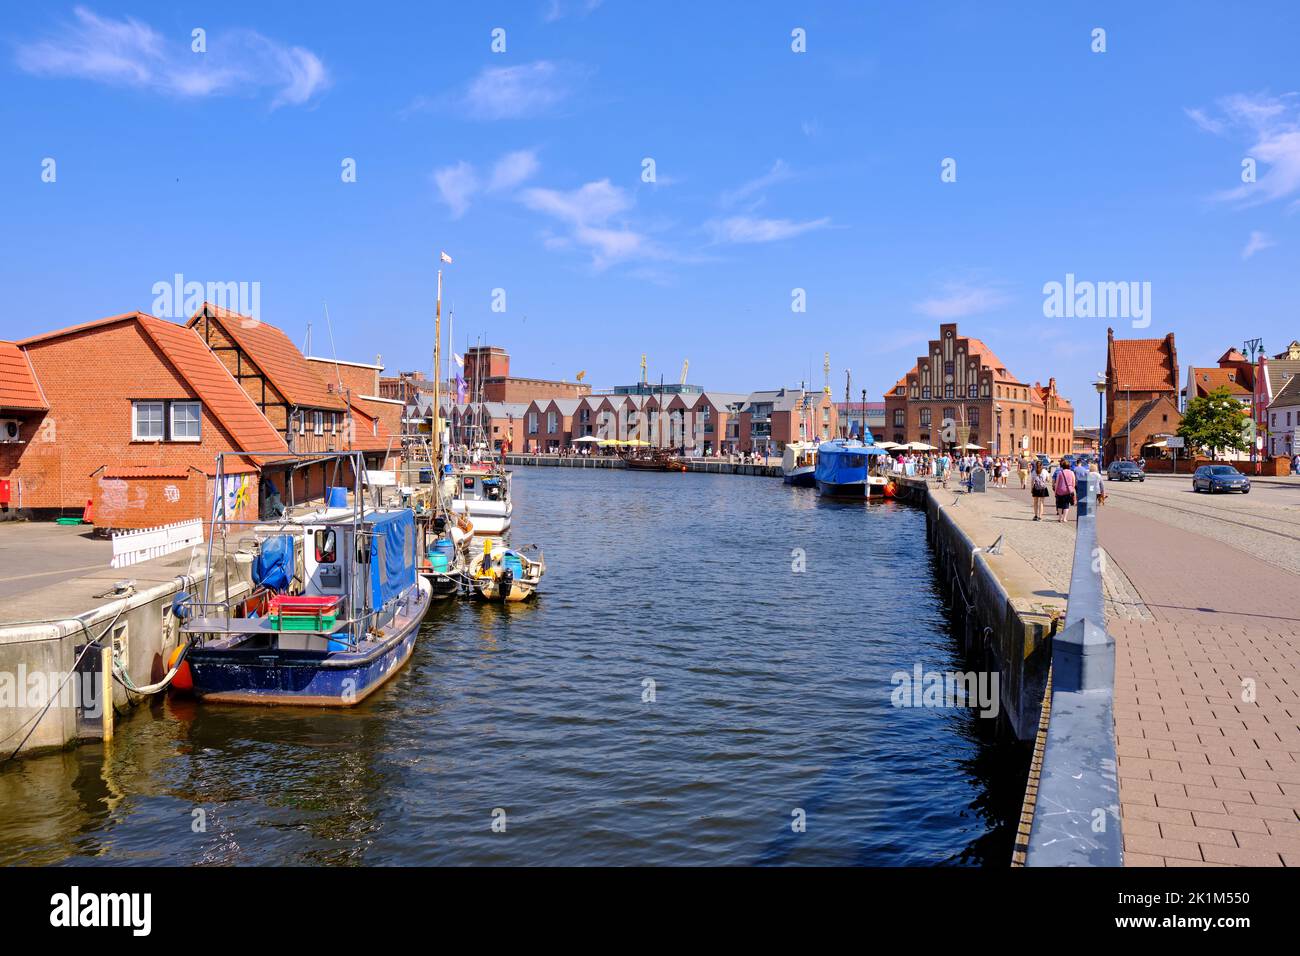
[(1100, 385)]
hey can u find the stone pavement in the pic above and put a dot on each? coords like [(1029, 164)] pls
[(1207, 700)]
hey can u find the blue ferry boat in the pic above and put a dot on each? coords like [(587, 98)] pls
[(330, 610), (843, 467)]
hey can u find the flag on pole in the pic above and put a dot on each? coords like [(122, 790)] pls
[(460, 359), (444, 257)]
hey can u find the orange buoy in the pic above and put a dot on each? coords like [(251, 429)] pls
[(183, 680), (890, 490)]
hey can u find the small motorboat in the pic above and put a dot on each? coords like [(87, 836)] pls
[(506, 574), (482, 493), (799, 464)]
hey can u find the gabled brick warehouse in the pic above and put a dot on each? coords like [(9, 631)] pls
[(136, 410)]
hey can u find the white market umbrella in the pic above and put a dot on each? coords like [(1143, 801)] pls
[(587, 438)]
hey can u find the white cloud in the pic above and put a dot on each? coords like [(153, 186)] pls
[(587, 212), (512, 169), (960, 299), (456, 185), (1270, 129), (559, 9), (779, 173), (515, 92), (752, 229), (130, 53), (1257, 242)]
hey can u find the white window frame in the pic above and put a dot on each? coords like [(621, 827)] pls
[(135, 421), (532, 423), (171, 421), (552, 425), (318, 425)]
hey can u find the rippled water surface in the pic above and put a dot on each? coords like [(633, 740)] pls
[(772, 694)]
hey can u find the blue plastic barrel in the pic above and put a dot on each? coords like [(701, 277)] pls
[(336, 498), (437, 562)]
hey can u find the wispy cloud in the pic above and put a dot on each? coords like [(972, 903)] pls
[(1257, 242), (130, 53), (519, 92), (592, 215), (960, 299), (752, 229), (779, 173), (513, 169), (559, 9), (458, 183), (1270, 128)]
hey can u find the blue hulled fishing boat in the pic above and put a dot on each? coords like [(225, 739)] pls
[(843, 467), (332, 608)]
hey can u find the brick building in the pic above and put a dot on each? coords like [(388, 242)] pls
[(770, 420), (487, 376), (960, 380), (1141, 394), (312, 413), (135, 410)]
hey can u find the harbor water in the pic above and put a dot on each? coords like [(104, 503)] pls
[(705, 678)]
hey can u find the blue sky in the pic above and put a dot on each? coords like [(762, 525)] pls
[(775, 171)]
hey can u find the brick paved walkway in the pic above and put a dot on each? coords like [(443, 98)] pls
[(1208, 776)]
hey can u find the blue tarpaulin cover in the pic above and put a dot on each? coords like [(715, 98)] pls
[(396, 572), (274, 565), (844, 463)]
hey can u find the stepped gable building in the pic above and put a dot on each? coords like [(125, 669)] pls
[(961, 381)]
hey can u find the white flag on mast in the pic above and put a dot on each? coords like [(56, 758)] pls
[(444, 257)]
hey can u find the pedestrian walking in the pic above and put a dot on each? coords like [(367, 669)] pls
[(1038, 491), (1064, 484)]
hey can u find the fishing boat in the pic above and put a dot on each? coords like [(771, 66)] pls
[(506, 574), (799, 464), (843, 467), (332, 612), (481, 492)]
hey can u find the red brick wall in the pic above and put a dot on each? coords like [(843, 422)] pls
[(89, 379), (528, 389)]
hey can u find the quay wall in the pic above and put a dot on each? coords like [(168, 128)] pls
[(1001, 627), (715, 466), (42, 635)]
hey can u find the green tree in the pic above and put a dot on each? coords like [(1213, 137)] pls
[(1216, 421)]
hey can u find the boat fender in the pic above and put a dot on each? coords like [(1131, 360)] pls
[(184, 680), (181, 606)]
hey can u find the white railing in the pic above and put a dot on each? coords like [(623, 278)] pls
[(132, 547)]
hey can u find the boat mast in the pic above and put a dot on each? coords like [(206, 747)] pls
[(437, 373)]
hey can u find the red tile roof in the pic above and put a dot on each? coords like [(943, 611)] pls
[(371, 434), (278, 358), (1143, 365), (19, 388), (978, 349), (214, 385), (1202, 381)]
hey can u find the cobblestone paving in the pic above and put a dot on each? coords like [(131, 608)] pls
[(1047, 545), (1264, 524)]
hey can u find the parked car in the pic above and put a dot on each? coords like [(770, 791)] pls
[(1044, 461), (1214, 478), (1125, 471)]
